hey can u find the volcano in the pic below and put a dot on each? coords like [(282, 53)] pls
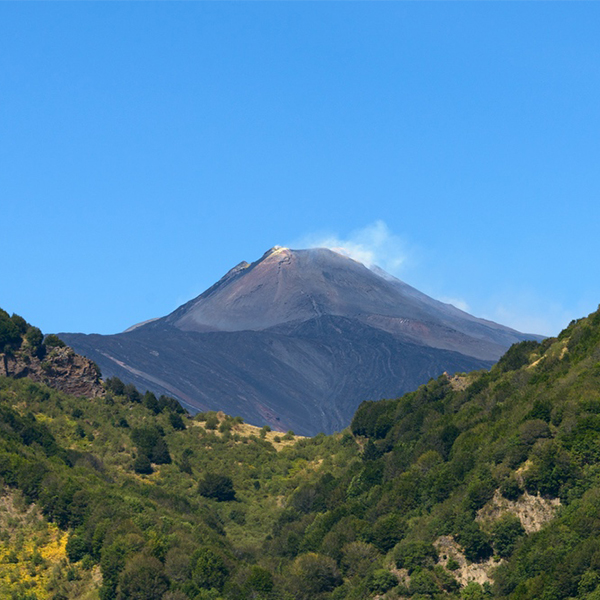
[(297, 340)]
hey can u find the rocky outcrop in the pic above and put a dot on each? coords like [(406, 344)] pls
[(61, 368)]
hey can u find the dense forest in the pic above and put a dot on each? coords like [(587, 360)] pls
[(481, 485)]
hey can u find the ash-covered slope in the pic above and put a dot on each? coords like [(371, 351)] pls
[(298, 339)]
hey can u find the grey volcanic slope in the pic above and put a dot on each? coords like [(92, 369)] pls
[(298, 339)]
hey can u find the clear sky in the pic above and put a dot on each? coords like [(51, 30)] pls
[(146, 148)]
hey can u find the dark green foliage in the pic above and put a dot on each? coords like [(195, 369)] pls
[(151, 444), (381, 581), (19, 322), (312, 575), (142, 465), (176, 421), (517, 356), (35, 338), (53, 341), (511, 489), (216, 487), (475, 542), (142, 578), (77, 546), (413, 555), (171, 404), (423, 582), (260, 579), (10, 332), (115, 385), (387, 531), (208, 569), (372, 419), (131, 393), (505, 534), (151, 403)]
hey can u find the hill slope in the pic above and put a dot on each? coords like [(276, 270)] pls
[(298, 339), (477, 486)]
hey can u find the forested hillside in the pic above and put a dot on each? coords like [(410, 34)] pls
[(482, 485)]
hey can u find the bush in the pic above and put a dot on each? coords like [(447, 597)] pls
[(35, 338), (176, 421), (313, 574), (10, 334), (260, 579), (505, 534), (209, 569), (53, 341), (142, 578), (387, 531), (131, 393), (381, 581), (150, 443), (474, 541), (77, 547), (217, 487), (212, 422), (142, 465), (511, 489), (115, 385), (151, 403), (412, 555)]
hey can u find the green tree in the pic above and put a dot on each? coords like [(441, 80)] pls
[(312, 575), (505, 534), (142, 578), (260, 579), (412, 555), (34, 338), (53, 341), (217, 487), (209, 569)]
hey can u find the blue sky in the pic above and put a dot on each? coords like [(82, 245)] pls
[(146, 148)]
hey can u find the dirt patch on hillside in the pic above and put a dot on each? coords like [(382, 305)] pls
[(533, 511)]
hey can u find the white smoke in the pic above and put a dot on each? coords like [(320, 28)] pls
[(373, 245)]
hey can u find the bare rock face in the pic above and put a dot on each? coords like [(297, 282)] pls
[(60, 368), (298, 339)]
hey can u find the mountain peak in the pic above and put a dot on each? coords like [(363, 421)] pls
[(286, 287), (297, 339)]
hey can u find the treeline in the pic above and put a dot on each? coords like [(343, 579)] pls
[(16, 332)]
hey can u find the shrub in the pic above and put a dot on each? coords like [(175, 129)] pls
[(142, 465), (150, 402), (176, 421), (217, 487), (313, 574), (411, 555), (53, 341), (10, 334), (209, 569), (511, 489), (212, 422), (505, 534), (35, 338), (142, 577), (387, 531), (115, 385), (381, 581), (260, 579)]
